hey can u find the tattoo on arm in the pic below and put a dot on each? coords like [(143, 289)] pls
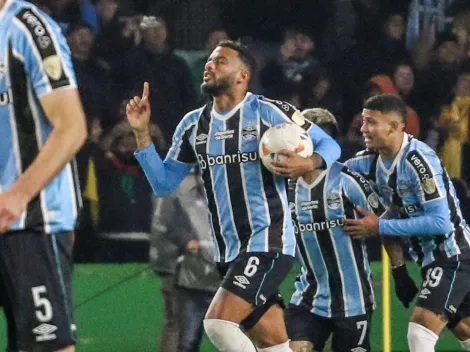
[(393, 246)]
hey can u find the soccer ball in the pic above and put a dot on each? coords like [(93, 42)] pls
[(287, 136)]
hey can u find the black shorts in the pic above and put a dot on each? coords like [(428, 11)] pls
[(445, 288), (256, 277), (36, 270), (349, 334)]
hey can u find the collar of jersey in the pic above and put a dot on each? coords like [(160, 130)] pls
[(397, 159), (5, 7), (230, 113), (320, 177)]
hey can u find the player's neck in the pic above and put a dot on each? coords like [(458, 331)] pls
[(228, 101), (310, 177), (391, 151), (2, 2)]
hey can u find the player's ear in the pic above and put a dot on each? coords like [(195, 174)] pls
[(244, 76), (395, 126)]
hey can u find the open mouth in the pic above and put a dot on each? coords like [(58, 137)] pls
[(207, 76)]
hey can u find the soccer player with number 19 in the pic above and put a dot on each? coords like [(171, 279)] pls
[(249, 211), (412, 181)]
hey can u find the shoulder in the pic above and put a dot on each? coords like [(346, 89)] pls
[(417, 150), (280, 105), (363, 158), (192, 117)]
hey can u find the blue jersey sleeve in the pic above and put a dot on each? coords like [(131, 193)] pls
[(165, 176), (425, 174), (358, 190), (38, 42), (278, 112), (363, 162)]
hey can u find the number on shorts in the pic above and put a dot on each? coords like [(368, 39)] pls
[(362, 325), (251, 266), (433, 277), (44, 311)]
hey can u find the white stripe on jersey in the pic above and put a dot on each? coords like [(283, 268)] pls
[(216, 204), (70, 178), (286, 212), (229, 200), (351, 250), (310, 263), (40, 142), (243, 179), (332, 237), (263, 194)]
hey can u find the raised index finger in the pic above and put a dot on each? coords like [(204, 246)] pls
[(145, 93)]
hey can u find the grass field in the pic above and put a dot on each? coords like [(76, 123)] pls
[(129, 317)]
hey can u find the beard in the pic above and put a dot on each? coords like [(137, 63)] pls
[(218, 88)]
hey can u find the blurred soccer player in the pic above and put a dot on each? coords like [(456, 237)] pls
[(250, 217), (412, 181), (42, 126), (334, 294)]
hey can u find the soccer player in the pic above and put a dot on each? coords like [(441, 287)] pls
[(42, 125), (412, 181), (250, 217), (334, 294)]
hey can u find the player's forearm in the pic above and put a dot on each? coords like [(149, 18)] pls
[(143, 139), (164, 177), (62, 144), (326, 150), (418, 226), (394, 249)]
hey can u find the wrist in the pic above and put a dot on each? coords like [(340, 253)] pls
[(143, 138)]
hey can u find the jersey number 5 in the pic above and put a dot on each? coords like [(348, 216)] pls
[(43, 305)]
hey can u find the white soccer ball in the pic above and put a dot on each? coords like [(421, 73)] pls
[(289, 136)]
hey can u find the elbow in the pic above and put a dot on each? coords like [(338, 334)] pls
[(443, 225)]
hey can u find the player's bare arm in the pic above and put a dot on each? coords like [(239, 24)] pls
[(394, 249), (64, 111), (138, 114)]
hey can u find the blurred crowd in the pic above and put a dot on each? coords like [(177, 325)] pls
[(332, 54)]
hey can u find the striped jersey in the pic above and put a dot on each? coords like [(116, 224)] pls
[(248, 204), (34, 61), (412, 186), (335, 279)]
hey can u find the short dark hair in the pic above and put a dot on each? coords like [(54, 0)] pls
[(387, 103), (243, 52)]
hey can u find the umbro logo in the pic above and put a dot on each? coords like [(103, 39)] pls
[(424, 293), (241, 281), (358, 349), (452, 309), (201, 139), (45, 332)]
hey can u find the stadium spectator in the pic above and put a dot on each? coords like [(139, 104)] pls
[(181, 253), (173, 93)]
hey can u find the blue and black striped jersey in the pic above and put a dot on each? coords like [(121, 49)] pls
[(248, 204), (34, 61), (419, 191), (335, 280)]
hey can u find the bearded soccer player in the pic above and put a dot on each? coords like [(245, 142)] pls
[(42, 126), (249, 211), (411, 180)]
